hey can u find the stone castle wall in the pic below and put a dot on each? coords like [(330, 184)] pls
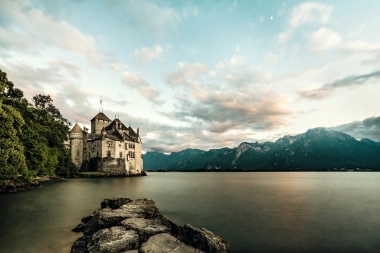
[(76, 148), (97, 126)]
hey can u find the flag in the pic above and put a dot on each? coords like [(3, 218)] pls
[(100, 100)]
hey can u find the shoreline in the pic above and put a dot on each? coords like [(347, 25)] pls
[(14, 186), (204, 170), (19, 185)]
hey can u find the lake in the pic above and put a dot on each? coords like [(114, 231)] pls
[(255, 212)]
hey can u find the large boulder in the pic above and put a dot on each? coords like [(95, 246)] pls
[(125, 225)]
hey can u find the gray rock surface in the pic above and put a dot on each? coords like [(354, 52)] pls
[(162, 243), (136, 226)]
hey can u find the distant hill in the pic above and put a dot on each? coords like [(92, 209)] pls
[(316, 149)]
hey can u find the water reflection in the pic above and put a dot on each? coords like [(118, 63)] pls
[(261, 212)]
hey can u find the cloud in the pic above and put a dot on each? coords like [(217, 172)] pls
[(220, 112), (349, 81), (31, 31), (236, 73), (135, 81), (185, 72), (367, 128), (323, 39), (68, 96), (235, 61), (361, 46), (308, 12), (118, 66), (146, 54), (228, 98), (150, 16)]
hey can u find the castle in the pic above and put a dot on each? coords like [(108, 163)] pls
[(111, 147)]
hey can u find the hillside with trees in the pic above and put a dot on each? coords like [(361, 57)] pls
[(32, 137)]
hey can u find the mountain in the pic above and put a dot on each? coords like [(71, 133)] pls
[(316, 149), (371, 142), (325, 149), (176, 160)]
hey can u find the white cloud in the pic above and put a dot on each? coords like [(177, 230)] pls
[(284, 36), (234, 61), (361, 46), (135, 81), (35, 30), (309, 12), (323, 39), (146, 54), (118, 66), (185, 72)]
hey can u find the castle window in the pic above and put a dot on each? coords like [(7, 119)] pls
[(121, 154), (97, 153), (89, 155), (126, 145), (108, 153)]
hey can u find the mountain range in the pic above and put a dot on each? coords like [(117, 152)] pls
[(316, 149)]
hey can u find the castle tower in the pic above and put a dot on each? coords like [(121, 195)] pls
[(76, 145), (98, 122)]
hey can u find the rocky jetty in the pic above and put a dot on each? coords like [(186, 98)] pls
[(136, 226)]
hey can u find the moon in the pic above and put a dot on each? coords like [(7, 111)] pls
[(271, 17)]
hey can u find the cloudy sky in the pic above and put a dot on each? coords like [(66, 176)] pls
[(200, 74)]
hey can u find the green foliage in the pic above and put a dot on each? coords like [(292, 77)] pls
[(31, 136), (12, 159)]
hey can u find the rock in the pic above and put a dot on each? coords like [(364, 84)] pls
[(115, 202), (144, 227), (107, 217), (163, 243), (124, 225), (79, 227), (13, 186), (203, 239), (114, 239)]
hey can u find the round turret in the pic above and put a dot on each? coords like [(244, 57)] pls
[(76, 144)]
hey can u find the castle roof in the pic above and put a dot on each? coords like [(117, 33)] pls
[(76, 129), (114, 125), (101, 116)]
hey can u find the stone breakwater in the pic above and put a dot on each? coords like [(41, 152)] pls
[(136, 226)]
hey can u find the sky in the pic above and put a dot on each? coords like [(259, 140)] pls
[(200, 74)]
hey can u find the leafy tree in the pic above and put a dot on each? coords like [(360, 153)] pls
[(12, 159), (32, 135)]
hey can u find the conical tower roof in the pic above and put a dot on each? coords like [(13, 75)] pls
[(76, 129), (101, 116)]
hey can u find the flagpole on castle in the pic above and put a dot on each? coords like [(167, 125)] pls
[(101, 104)]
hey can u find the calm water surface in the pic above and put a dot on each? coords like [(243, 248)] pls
[(256, 212)]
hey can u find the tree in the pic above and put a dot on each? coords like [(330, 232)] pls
[(12, 159), (31, 135)]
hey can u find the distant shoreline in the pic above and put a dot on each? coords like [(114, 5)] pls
[(204, 170)]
